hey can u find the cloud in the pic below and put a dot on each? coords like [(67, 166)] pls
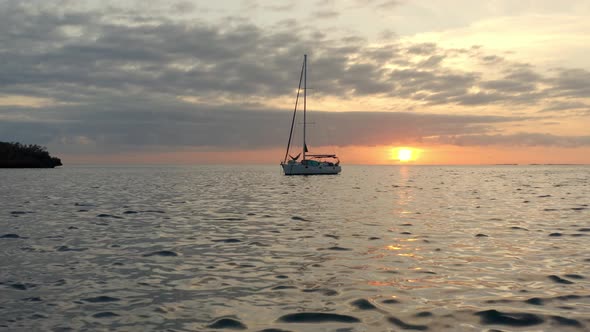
[(440, 86), (491, 59), (422, 49), (569, 82), (326, 14), (519, 139), (179, 124), (379, 4), (566, 106), (183, 7), (432, 61), (116, 78), (228, 127), (72, 56)]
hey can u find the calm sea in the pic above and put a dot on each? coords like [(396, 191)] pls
[(375, 248)]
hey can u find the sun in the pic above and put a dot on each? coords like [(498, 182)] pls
[(404, 154)]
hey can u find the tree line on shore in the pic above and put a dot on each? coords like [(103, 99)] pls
[(17, 155)]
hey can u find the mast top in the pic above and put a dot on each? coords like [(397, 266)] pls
[(304, 102)]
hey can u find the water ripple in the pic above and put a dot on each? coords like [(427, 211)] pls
[(227, 248)]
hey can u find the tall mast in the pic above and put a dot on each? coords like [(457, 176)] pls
[(294, 113), (304, 102)]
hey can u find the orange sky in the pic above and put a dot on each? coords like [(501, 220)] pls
[(379, 155)]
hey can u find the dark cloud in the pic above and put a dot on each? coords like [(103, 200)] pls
[(388, 4), (491, 59), (433, 86), (432, 61), (326, 14), (519, 139), (521, 72), (573, 83), (175, 123), (183, 7), (423, 49), (566, 106), (509, 86), (379, 4), (283, 7), (53, 54), (364, 79)]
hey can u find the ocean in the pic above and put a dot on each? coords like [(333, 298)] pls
[(376, 248)]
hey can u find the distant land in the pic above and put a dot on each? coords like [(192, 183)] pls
[(16, 155), (550, 164), (553, 164)]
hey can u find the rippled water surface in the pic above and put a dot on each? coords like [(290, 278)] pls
[(243, 247)]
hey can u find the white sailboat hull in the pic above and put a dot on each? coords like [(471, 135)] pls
[(300, 169)]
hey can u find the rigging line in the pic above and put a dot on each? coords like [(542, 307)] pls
[(294, 112), (304, 103)]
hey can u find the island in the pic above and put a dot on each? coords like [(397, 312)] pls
[(16, 155)]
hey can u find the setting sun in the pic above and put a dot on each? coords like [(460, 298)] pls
[(404, 154)]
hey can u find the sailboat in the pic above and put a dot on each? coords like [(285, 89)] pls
[(310, 164)]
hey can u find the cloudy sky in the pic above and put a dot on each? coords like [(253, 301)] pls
[(215, 81)]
